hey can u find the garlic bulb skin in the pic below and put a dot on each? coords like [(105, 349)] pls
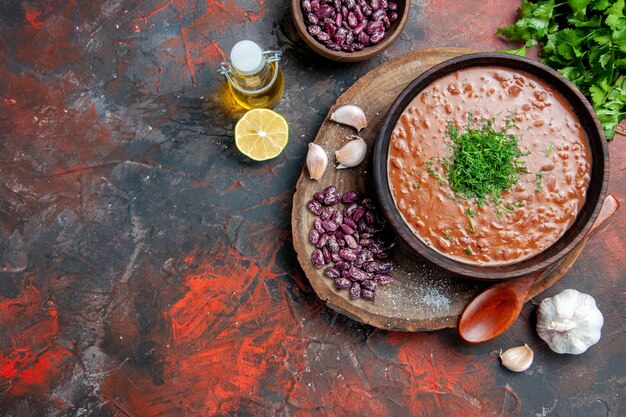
[(517, 359), (350, 115), (316, 161), (351, 154), (569, 322)]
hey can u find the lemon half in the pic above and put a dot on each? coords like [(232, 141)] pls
[(261, 134)]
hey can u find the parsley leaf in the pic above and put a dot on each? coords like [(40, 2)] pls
[(615, 18), (579, 6), (585, 40)]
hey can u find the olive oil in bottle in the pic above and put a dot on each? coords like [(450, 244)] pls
[(254, 76)]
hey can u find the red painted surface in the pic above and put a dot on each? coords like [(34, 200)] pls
[(146, 268), (216, 348), (208, 17), (33, 359), (446, 377)]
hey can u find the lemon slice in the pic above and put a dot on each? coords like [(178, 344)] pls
[(261, 134)]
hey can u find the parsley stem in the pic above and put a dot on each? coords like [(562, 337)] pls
[(549, 150)]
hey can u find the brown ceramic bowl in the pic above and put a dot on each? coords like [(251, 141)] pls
[(366, 53), (595, 192)]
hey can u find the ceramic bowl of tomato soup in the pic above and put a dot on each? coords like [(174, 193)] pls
[(491, 166)]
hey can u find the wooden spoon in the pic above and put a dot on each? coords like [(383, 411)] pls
[(496, 309)]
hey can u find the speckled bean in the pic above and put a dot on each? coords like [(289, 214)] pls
[(332, 272), (349, 222), (317, 258), (358, 274), (314, 236), (327, 213), (342, 283), (355, 290), (369, 284), (329, 225), (358, 214), (350, 241), (315, 207), (326, 255), (382, 279), (347, 254), (368, 294), (333, 245), (342, 265)]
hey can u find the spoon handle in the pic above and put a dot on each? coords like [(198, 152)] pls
[(477, 323), (609, 206)]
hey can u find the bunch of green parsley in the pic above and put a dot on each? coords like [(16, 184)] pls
[(585, 40)]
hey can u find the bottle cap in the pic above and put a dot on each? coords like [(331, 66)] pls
[(247, 57)]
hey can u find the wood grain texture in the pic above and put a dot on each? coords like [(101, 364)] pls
[(422, 297)]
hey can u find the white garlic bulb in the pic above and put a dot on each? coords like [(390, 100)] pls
[(569, 322), (352, 153), (517, 359), (350, 115), (316, 161)]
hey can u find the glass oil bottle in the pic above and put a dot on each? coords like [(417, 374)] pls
[(254, 76)]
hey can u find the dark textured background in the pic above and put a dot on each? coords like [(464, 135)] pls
[(147, 268)]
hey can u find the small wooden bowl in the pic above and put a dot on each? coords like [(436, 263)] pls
[(595, 193), (366, 53)]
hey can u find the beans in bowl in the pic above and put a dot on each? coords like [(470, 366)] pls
[(349, 25), (489, 165)]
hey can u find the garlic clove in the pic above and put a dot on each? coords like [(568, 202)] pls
[(351, 154), (350, 115), (517, 359), (316, 161)]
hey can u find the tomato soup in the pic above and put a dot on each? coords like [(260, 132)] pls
[(529, 216)]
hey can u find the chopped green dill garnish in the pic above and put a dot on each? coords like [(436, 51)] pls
[(539, 177), (508, 210), (497, 213), (446, 163), (433, 172), (447, 235), (467, 250), (441, 179), (470, 117), (485, 162), (549, 150), (470, 213), (416, 186), (510, 121)]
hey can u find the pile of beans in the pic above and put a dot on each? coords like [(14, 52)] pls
[(350, 242), (349, 25)]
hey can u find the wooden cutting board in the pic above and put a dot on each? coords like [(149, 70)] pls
[(422, 297)]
